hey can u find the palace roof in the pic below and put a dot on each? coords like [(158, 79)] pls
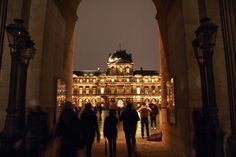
[(146, 72), (120, 56), (89, 72)]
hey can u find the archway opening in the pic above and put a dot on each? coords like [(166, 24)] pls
[(104, 27)]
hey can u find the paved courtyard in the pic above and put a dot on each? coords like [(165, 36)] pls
[(144, 148)]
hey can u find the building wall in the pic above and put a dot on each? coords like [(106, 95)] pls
[(177, 30), (47, 28), (112, 83)]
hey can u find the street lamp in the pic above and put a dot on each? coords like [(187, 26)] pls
[(208, 133), (21, 50)]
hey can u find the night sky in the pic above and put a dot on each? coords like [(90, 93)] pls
[(103, 24)]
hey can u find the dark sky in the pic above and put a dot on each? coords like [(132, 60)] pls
[(103, 24)]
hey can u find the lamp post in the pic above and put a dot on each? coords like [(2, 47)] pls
[(209, 135), (21, 50)]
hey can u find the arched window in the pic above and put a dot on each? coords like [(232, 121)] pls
[(80, 102)]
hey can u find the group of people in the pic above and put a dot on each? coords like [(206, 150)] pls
[(146, 112), (79, 132)]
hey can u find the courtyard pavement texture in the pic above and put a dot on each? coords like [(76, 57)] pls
[(143, 148)]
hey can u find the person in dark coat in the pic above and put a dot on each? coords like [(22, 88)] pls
[(90, 128), (69, 129), (153, 115), (37, 129), (130, 118), (110, 131)]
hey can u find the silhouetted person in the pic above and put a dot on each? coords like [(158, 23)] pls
[(144, 111), (100, 111), (153, 115), (130, 118), (110, 131), (69, 129), (36, 129), (90, 127)]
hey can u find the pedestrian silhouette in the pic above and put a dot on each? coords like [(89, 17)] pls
[(36, 129), (100, 108), (144, 111), (90, 128), (153, 115), (130, 118), (69, 129), (110, 131)]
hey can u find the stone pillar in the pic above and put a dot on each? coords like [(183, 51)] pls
[(3, 15), (68, 11), (164, 78), (228, 21)]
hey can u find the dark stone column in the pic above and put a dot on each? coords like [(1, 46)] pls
[(228, 21), (3, 15)]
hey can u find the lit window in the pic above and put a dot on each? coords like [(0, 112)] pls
[(87, 80), (127, 70), (80, 90), (153, 80), (80, 103), (153, 90), (138, 80), (112, 80), (146, 80), (102, 80), (94, 80), (94, 90), (127, 79), (102, 90), (87, 90), (138, 90), (81, 80), (146, 90)]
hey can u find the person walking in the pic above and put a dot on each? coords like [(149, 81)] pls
[(37, 129), (69, 131), (110, 131), (100, 108), (144, 111), (130, 118), (153, 115), (90, 128)]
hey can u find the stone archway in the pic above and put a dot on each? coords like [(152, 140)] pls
[(178, 19)]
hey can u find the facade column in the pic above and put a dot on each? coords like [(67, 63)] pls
[(228, 22), (3, 15)]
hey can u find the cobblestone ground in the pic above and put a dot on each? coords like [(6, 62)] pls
[(144, 148)]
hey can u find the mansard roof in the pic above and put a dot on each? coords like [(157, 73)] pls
[(146, 72), (120, 56), (89, 72)]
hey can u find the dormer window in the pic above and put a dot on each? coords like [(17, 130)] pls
[(127, 70)]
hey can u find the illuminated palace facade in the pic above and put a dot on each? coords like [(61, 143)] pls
[(118, 84)]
